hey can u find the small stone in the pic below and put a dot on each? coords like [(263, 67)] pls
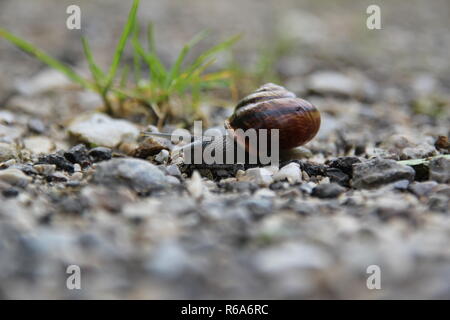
[(401, 185), (305, 176), (330, 82), (7, 151), (345, 164), (439, 202), (138, 174), (308, 187), (265, 193), (260, 176), (442, 143), (296, 153), (39, 144), (259, 207), (440, 170), (376, 172), (328, 190), (10, 193), (100, 154), (102, 130), (173, 170), (421, 189), (57, 177), (422, 150), (15, 177), (338, 176), (195, 186), (151, 146), (162, 156), (45, 169), (6, 117), (44, 81), (8, 163), (290, 172), (35, 125), (77, 167), (77, 176), (78, 154), (60, 162)]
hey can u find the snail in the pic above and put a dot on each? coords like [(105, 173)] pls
[(269, 107)]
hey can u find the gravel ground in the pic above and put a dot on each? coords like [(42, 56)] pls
[(140, 225)]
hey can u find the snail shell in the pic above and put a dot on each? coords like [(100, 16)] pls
[(273, 107)]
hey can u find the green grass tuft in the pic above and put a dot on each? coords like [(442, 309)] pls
[(154, 89)]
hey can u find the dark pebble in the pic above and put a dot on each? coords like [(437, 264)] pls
[(328, 190), (10, 193), (78, 154), (336, 175), (100, 154), (312, 169), (344, 164), (56, 177), (58, 160)]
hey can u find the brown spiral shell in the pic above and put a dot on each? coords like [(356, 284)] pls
[(273, 107)]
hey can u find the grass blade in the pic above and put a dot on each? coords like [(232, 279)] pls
[(128, 29), (96, 72), (175, 70), (42, 56), (156, 69), (212, 51)]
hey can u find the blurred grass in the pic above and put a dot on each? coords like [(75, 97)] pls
[(155, 89)]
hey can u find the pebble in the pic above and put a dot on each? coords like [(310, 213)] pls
[(330, 82), (100, 154), (195, 185), (45, 169), (15, 177), (138, 174), (162, 156), (421, 189), (101, 130), (345, 164), (260, 176), (338, 176), (290, 172), (292, 256), (422, 150), (39, 144), (78, 154), (308, 187), (57, 176), (46, 80), (440, 170), (296, 153), (376, 172), (36, 125), (173, 170), (60, 162), (7, 151), (328, 190)]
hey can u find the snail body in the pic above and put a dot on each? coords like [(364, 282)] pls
[(273, 107)]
